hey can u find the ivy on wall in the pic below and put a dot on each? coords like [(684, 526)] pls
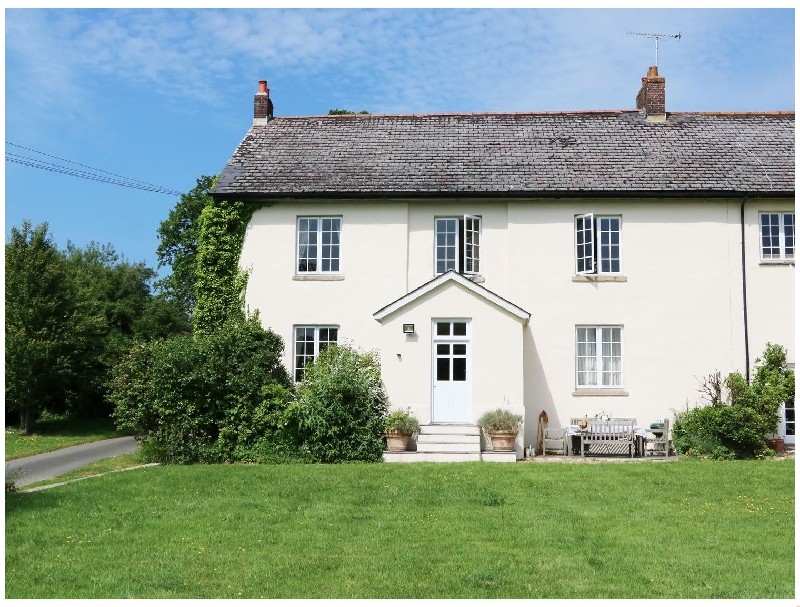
[(220, 283)]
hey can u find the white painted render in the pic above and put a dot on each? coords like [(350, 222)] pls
[(678, 297)]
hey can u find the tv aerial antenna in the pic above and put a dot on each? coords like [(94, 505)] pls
[(656, 37)]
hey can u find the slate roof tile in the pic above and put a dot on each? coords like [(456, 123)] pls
[(514, 153)]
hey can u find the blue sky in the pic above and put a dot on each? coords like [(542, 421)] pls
[(165, 96)]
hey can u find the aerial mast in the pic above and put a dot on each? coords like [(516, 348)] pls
[(656, 37)]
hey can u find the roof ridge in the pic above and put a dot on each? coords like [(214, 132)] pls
[(531, 113)]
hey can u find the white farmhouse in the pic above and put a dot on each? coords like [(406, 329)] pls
[(565, 262)]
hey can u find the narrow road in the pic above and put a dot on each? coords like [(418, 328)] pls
[(47, 465)]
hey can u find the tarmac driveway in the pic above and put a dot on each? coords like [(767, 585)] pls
[(47, 465)]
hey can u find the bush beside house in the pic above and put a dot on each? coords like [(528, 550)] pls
[(738, 416)]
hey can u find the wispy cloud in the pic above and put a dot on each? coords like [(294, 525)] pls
[(403, 60)]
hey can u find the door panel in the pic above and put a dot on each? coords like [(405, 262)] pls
[(452, 384)]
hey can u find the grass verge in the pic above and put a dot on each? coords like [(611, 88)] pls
[(690, 529), (57, 433), (110, 464)]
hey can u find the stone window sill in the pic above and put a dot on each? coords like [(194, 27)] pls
[(599, 392), (776, 262), (599, 278), (322, 277)]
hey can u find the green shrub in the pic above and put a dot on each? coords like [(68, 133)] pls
[(401, 421), (500, 420), (339, 408), (200, 398), (738, 415)]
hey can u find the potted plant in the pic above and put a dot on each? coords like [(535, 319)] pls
[(398, 429), (502, 426)]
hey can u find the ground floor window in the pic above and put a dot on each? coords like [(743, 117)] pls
[(598, 357), (308, 342)]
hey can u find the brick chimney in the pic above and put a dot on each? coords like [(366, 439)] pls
[(262, 104), (652, 98)]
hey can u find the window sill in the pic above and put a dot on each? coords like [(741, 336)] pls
[(599, 278), (600, 392), (323, 277), (776, 262)]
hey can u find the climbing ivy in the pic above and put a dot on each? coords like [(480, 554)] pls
[(220, 283)]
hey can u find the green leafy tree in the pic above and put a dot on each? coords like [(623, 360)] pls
[(44, 321), (120, 292), (344, 112), (179, 235)]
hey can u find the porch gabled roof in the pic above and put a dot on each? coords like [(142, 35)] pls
[(452, 276)]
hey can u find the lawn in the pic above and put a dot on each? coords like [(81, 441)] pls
[(688, 529), (57, 433)]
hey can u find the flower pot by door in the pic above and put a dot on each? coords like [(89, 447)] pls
[(503, 441), (776, 444), (397, 441)]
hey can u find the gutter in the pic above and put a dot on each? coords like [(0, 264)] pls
[(744, 299)]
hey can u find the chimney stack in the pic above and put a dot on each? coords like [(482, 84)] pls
[(652, 97), (262, 104)]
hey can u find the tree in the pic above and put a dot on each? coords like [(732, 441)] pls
[(119, 292), (179, 235), (344, 112), (41, 320)]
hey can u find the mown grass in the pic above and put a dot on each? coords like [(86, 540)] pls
[(689, 529), (57, 433)]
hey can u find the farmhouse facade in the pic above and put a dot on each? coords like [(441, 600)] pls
[(565, 262)]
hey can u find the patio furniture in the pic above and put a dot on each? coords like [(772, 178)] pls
[(619, 436), (660, 440), (555, 441)]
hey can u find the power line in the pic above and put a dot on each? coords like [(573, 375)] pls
[(109, 177)]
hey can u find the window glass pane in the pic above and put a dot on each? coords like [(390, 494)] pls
[(788, 232), (443, 349), (459, 328), (459, 349), (442, 328), (443, 369), (459, 369)]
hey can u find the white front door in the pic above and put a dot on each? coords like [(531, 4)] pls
[(787, 422), (452, 372)]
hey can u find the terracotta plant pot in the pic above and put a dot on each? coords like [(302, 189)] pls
[(776, 444), (503, 441), (397, 441)]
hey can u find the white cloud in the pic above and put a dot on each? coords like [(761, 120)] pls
[(400, 60)]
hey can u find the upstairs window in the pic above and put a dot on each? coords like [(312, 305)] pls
[(309, 341), (318, 243), (598, 248), (458, 244), (777, 236)]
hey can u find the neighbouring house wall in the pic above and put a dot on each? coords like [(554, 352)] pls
[(680, 304)]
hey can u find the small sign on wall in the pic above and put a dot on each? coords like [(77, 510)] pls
[(409, 329)]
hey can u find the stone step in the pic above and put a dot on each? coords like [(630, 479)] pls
[(421, 456), (449, 447), (469, 439), (463, 429)]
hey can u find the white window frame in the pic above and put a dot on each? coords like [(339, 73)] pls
[(319, 258), (586, 228), (602, 365), (316, 329), (782, 238), (467, 250)]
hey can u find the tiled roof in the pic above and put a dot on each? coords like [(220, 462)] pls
[(616, 152)]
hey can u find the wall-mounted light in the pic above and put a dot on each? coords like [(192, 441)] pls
[(408, 329)]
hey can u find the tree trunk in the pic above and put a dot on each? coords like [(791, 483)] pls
[(26, 419)]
